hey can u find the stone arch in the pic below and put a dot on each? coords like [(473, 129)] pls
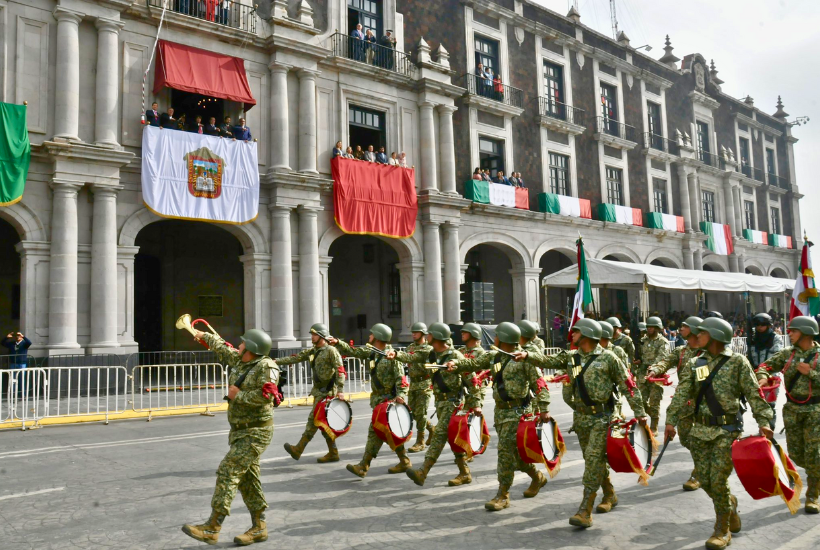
[(623, 253), (564, 246), (665, 258), (514, 249), (755, 267), (25, 222), (713, 266), (778, 269), (407, 249)]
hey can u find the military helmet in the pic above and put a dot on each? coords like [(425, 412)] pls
[(762, 319), (641, 326), (719, 329), (321, 330), (806, 325), (472, 329), (607, 331), (589, 328), (419, 327), (382, 332), (715, 314), (440, 331), (528, 329), (654, 322), (257, 341), (693, 323), (508, 333), (615, 322)]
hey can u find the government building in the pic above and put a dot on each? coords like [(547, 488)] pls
[(642, 155)]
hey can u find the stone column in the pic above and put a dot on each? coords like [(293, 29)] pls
[(739, 221), (307, 122), (688, 259), (428, 148), (797, 232), (741, 263), (104, 270), (452, 275), (697, 256), (281, 275), (254, 265), (125, 296), (279, 124), (62, 285), (32, 253), (432, 273), (694, 199), (107, 97), (685, 205), (412, 306), (310, 283), (729, 207), (447, 149), (526, 304), (733, 265), (67, 86)]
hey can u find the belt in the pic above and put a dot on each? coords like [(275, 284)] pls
[(511, 404), (249, 425), (452, 396), (812, 401), (725, 421), (596, 409)]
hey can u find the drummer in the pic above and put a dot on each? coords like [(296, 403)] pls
[(388, 382), (421, 391), (449, 391), (679, 359), (471, 336), (622, 340), (801, 413), (607, 332), (514, 385), (715, 382), (654, 347), (328, 380)]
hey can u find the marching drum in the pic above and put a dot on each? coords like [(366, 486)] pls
[(468, 433), (766, 470), (541, 443), (630, 448), (333, 416), (393, 423)]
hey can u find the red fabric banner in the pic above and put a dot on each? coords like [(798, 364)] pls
[(586, 208), (374, 199), (201, 72), (522, 198)]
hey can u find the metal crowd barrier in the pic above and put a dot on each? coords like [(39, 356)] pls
[(166, 387), (22, 396), (85, 391)]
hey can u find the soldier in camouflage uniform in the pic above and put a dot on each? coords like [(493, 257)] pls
[(679, 360), (328, 380), (449, 390), (518, 389), (539, 343), (801, 413), (420, 389), (715, 381), (387, 381), (607, 332), (593, 372), (653, 350), (764, 344), (471, 336), (623, 341), (252, 379), (529, 332)]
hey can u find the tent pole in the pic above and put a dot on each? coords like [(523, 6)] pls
[(547, 331)]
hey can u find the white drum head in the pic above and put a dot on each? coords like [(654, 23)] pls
[(781, 467), (549, 445), (338, 415), (474, 421), (399, 420), (642, 445)]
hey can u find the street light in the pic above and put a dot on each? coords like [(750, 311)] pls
[(799, 121), (647, 46)]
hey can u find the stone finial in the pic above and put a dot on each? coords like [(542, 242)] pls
[(623, 39), (574, 15), (749, 101), (679, 137), (731, 155), (687, 140), (713, 74), (780, 113), (669, 58), (723, 153), (442, 56), (305, 13), (423, 49), (280, 9)]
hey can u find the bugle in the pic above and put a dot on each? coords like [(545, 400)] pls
[(185, 323)]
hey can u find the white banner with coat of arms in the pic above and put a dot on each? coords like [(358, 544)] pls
[(198, 177)]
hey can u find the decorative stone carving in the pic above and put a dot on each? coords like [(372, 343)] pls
[(630, 80), (305, 13), (442, 56), (579, 57), (423, 50), (700, 77), (519, 35)]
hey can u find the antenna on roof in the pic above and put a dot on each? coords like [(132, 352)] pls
[(614, 19)]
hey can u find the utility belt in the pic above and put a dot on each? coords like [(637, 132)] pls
[(811, 401), (597, 409), (385, 397), (455, 396), (249, 425), (728, 422), (512, 404)]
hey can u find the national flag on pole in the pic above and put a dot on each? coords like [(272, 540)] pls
[(720, 238), (583, 290), (15, 153), (804, 296)]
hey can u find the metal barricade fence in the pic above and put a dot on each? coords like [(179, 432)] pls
[(165, 387), (22, 396), (80, 360), (85, 391), (10, 362)]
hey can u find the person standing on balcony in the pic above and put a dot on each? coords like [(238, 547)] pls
[(513, 180), (389, 44), (403, 160), (358, 154), (197, 127), (369, 155), (242, 132), (226, 130), (381, 156), (152, 115), (393, 161), (501, 179), (337, 150), (211, 128), (349, 153), (223, 11), (357, 43), (167, 120), (488, 82), (479, 78), (369, 46), (498, 88)]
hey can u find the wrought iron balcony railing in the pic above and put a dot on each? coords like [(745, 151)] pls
[(710, 159), (654, 141), (606, 125), (371, 54), (548, 107), (229, 13), (502, 93)]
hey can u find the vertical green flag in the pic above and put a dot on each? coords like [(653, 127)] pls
[(15, 153)]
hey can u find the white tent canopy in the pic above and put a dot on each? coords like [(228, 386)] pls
[(629, 275)]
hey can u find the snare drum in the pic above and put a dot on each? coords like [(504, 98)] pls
[(541, 443), (468, 433), (333, 416), (766, 470), (393, 423), (630, 448)]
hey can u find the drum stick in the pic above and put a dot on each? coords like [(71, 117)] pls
[(502, 351), (660, 456), (434, 366), (374, 348)]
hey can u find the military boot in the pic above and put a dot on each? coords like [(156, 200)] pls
[(257, 533), (404, 462), (419, 446), (721, 538), (464, 477), (430, 431), (362, 467), (583, 518), (296, 451), (654, 426), (332, 452), (501, 500), (692, 484), (418, 476), (734, 519), (207, 532), (610, 499), (812, 492), (538, 481)]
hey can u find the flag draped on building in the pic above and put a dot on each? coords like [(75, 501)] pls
[(757, 237), (583, 290), (804, 296), (720, 238), (564, 206), (619, 214), (15, 153)]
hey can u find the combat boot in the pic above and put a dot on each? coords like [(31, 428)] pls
[(721, 538), (332, 453), (430, 431), (404, 462), (464, 477), (501, 500), (418, 476), (362, 467), (538, 481), (734, 519), (692, 484), (654, 426), (812, 492), (583, 518), (610, 499), (295, 451), (257, 533), (207, 532), (419, 446)]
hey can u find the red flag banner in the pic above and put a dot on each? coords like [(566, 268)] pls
[(374, 199)]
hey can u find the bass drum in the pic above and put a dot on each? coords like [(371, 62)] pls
[(630, 448), (765, 470), (468, 433), (333, 416), (393, 423)]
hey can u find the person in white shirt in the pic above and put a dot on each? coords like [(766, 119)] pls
[(403, 160), (393, 161)]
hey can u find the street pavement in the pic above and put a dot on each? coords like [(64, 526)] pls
[(132, 484)]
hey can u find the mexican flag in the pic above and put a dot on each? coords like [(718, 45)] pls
[(619, 214), (485, 192), (720, 238), (564, 206), (668, 222), (780, 241), (15, 153), (757, 237), (583, 290), (804, 295)]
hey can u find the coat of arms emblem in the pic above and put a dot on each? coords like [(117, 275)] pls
[(205, 169)]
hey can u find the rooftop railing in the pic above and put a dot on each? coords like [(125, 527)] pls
[(229, 13), (371, 54)]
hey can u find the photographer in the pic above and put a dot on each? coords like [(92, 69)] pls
[(18, 345)]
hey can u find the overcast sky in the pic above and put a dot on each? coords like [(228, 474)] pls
[(761, 48)]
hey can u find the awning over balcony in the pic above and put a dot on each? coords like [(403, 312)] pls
[(201, 72)]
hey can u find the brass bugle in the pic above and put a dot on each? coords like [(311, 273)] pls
[(184, 323)]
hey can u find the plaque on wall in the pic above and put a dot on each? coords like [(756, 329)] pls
[(210, 306)]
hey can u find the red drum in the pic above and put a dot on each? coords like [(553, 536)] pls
[(766, 470), (468, 433), (393, 423), (541, 443), (770, 389), (333, 416), (630, 448)]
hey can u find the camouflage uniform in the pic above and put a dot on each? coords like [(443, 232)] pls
[(653, 350), (539, 343), (758, 356), (418, 398), (474, 353), (625, 343), (679, 360), (620, 354)]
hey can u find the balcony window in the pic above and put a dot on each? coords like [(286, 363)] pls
[(659, 195), (775, 216), (609, 108), (745, 163), (367, 13), (703, 142), (486, 53), (614, 186), (366, 127), (394, 299), (653, 111), (749, 213), (771, 169), (554, 89), (559, 174), (491, 155), (708, 200)]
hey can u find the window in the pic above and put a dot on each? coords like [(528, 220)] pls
[(486, 53), (614, 186), (609, 108), (368, 13), (703, 142), (653, 111), (367, 127), (554, 89), (745, 163), (749, 212), (775, 215), (708, 199), (770, 164), (491, 155), (394, 299), (659, 192), (559, 174)]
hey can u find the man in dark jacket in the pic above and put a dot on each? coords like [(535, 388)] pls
[(18, 345), (152, 115), (386, 55), (167, 120)]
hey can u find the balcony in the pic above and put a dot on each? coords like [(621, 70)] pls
[(757, 174), (560, 117), (228, 13), (746, 170), (710, 159), (371, 55), (659, 147), (499, 99), (614, 133), (778, 182)]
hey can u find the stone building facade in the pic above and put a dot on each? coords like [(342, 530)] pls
[(88, 269)]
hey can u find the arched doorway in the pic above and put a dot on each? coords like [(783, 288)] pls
[(9, 279), (616, 300), (186, 267), (558, 300), (487, 296), (779, 273)]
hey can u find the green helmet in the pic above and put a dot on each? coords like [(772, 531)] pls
[(321, 330), (693, 323), (382, 332), (419, 327), (615, 322), (473, 330), (642, 326), (806, 325), (719, 329), (508, 333), (440, 331), (762, 319), (590, 328), (528, 329), (606, 330), (654, 322), (257, 341)]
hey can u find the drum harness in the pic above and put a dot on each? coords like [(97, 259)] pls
[(498, 382), (438, 379), (375, 358), (329, 386), (810, 400), (590, 406), (718, 416)]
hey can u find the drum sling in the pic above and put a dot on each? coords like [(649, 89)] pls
[(498, 383), (718, 415), (811, 400), (438, 379), (607, 407), (332, 381), (375, 358)]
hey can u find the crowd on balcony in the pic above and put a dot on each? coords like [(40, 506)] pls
[(227, 129), (371, 155), (217, 11), (514, 180), (365, 47), (488, 84)]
